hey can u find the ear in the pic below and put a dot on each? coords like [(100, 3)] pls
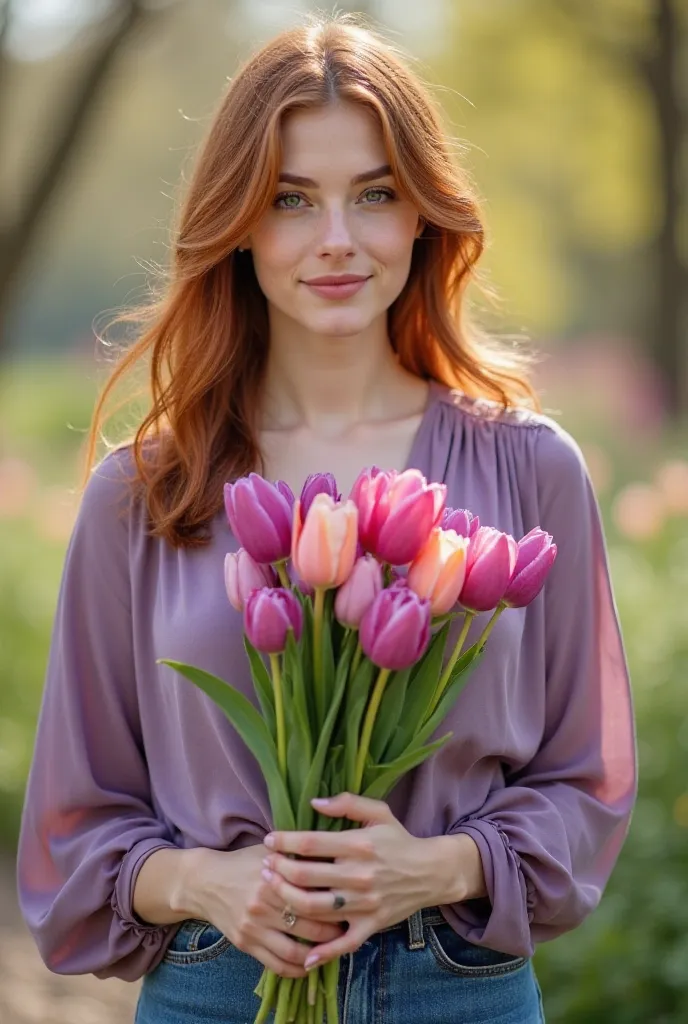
[(245, 245), (421, 227)]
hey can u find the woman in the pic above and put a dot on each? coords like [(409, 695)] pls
[(315, 321)]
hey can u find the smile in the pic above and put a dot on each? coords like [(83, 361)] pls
[(342, 287)]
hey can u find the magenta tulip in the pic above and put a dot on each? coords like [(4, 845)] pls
[(489, 567), (535, 558), (318, 483), (260, 516), (269, 613), (243, 575), (358, 592), (396, 512), (395, 630), (461, 521)]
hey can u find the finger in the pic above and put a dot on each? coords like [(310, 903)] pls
[(348, 942), (310, 874), (271, 916), (273, 963), (312, 845), (355, 808), (317, 905)]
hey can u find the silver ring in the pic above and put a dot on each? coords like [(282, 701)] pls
[(338, 902), (289, 917)]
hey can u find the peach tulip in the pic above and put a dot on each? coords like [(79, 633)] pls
[(439, 570), (324, 543)]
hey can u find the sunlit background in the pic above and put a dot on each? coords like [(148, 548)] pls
[(571, 117)]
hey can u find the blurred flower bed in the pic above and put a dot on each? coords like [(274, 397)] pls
[(629, 962)]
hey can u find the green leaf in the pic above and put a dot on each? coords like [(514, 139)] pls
[(262, 684), (253, 731), (305, 813), (459, 677), (356, 701), (423, 680), (300, 742), (391, 707), (381, 778)]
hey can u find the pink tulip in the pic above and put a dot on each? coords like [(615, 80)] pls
[(489, 568), (268, 614), (460, 520), (318, 483), (356, 594), (439, 570), (395, 630), (396, 512), (244, 575), (324, 544), (535, 558), (260, 516)]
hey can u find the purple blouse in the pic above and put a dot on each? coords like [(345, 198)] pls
[(131, 758)]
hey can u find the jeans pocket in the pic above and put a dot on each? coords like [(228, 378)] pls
[(455, 954), (195, 942)]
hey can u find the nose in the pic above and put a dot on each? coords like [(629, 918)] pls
[(336, 238)]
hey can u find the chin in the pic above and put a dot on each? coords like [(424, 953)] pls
[(339, 323)]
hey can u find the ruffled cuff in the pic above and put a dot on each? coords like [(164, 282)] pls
[(501, 922)]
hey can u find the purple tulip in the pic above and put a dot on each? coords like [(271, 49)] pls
[(395, 630), (461, 521), (260, 516), (268, 614), (243, 575), (535, 558), (358, 592), (396, 512), (318, 483), (489, 567)]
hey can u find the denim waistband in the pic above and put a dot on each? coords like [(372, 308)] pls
[(415, 925)]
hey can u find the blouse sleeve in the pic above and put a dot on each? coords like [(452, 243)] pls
[(87, 823), (550, 838)]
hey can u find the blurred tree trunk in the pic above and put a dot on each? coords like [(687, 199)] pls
[(17, 239), (662, 75)]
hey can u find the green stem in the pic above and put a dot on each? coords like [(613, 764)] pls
[(295, 999), (368, 723), (283, 997), (355, 661), (330, 979), (313, 978), (279, 714), (283, 574), (490, 626), (444, 678), (269, 989), (318, 612)]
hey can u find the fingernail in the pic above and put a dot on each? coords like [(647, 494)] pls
[(267, 875), (320, 801), (310, 961), (267, 862), (269, 841)]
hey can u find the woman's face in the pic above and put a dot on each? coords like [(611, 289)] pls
[(334, 250)]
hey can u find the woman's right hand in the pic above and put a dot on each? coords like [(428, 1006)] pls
[(226, 889)]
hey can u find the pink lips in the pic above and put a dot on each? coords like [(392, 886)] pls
[(337, 286)]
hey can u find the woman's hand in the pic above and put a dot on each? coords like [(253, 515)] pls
[(373, 877), (227, 889)]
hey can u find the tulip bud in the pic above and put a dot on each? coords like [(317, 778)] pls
[(356, 594), (260, 516), (490, 564), (318, 483), (395, 630), (396, 512), (268, 614), (244, 575), (324, 544), (461, 521), (535, 558), (439, 570)]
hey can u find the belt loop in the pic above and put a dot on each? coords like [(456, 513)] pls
[(416, 939)]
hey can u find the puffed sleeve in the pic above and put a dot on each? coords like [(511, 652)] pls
[(87, 823), (550, 838)]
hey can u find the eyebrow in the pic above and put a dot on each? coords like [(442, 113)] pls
[(377, 172)]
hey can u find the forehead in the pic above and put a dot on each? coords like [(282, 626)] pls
[(341, 138)]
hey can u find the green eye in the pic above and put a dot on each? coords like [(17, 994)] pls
[(288, 200), (376, 196)]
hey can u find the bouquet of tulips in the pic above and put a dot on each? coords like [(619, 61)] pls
[(352, 602)]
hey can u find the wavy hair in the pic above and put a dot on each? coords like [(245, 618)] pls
[(204, 340)]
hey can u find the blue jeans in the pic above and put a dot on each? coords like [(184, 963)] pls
[(417, 972)]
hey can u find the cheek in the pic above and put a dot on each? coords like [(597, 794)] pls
[(277, 249), (390, 240)]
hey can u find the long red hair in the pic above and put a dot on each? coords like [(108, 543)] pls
[(205, 339)]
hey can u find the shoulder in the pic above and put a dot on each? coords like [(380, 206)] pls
[(109, 496), (558, 456)]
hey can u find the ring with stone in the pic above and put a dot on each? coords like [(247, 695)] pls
[(289, 917), (338, 902)]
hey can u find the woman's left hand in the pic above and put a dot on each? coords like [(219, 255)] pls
[(371, 877)]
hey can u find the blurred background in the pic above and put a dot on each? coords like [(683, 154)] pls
[(572, 118)]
